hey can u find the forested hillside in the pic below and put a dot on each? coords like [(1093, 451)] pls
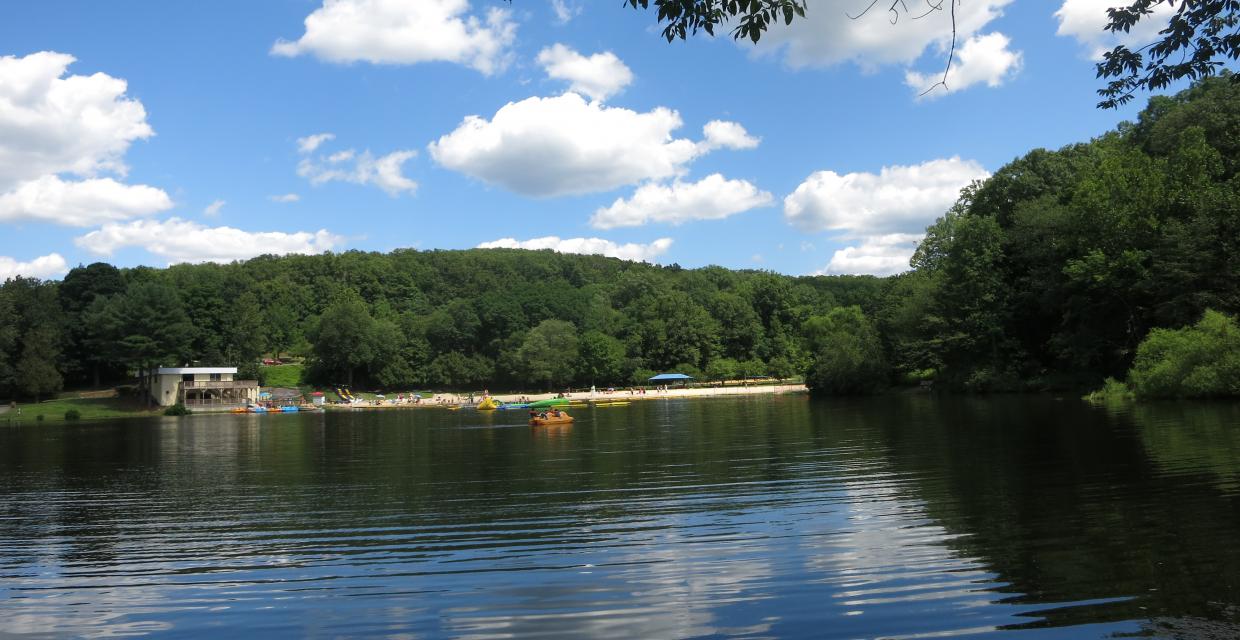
[(1049, 274), (411, 319), (1053, 270)]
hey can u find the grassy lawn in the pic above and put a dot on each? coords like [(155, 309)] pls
[(282, 375), (90, 408)]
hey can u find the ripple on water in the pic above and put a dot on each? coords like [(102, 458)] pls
[(909, 517)]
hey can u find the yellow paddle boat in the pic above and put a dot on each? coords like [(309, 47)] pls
[(553, 416)]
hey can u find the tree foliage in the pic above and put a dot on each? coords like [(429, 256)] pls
[(1200, 36), (753, 17), (848, 355), (1198, 361)]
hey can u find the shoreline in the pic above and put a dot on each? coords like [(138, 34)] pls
[(53, 411), (698, 392), (456, 400)]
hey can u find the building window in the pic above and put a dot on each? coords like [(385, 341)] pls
[(187, 377), (215, 377)]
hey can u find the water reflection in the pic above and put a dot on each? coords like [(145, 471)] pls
[(773, 517)]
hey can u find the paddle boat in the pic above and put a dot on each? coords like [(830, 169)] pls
[(549, 417)]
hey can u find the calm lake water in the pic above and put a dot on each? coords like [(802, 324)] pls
[(898, 517)]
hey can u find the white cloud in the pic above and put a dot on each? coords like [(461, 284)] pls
[(710, 198), (81, 204), (565, 145), (286, 197), (213, 209), (52, 125), (1084, 20), (882, 255), (898, 199), (979, 59), (598, 246), (721, 134), (565, 10), (48, 266), (365, 169), (184, 241), (599, 76), (826, 36), (406, 32), (309, 143)]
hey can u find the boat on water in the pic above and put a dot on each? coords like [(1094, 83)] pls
[(554, 416), (488, 403), (508, 406), (551, 402), (622, 403)]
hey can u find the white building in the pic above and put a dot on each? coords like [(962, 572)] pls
[(202, 387)]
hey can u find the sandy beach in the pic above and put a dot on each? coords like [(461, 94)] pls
[(651, 394), (455, 399)]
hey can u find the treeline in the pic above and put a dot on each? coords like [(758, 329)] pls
[(416, 319), (1053, 271), (1047, 275)]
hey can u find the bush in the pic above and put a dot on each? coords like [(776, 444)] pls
[(1112, 391), (1200, 361), (73, 414), (38, 418), (176, 410)]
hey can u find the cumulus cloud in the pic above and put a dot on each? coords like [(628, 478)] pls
[(1084, 20), (183, 241), (51, 125), (882, 255), (310, 143), (82, 203), (285, 198), (213, 209), (979, 59), (48, 266), (827, 37), (405, 32), (364, 169), (882, 215), (710, 198), (565, 145), (897, 199), (596, 246), (599, 76), (721, 134)]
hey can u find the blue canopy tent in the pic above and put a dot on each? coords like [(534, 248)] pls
[(670, 377)]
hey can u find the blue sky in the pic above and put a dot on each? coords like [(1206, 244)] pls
[(154, 133)]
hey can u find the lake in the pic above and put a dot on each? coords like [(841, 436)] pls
[(906, 516)]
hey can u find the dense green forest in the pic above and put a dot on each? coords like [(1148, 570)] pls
[(1047, 275)]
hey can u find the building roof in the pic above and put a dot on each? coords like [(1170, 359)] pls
[(670, 376), (176, 371)]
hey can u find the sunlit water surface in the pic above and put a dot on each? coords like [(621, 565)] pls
[(899, 517)]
